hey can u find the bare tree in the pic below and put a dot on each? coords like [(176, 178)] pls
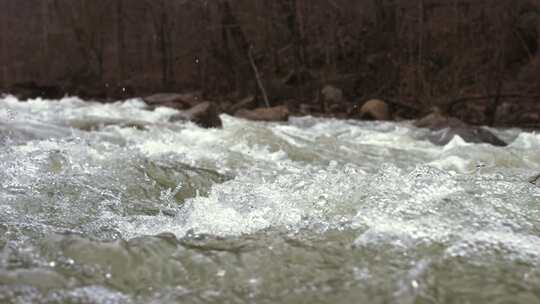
[(86, 19), (121, 37), (164, 28)]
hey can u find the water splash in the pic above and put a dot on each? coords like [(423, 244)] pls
[(103, 200)]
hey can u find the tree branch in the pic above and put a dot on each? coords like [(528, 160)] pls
[(258, 77)]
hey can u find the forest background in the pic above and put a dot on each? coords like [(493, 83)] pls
[(478, 60)]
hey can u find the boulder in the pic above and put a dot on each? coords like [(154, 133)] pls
[(173, 100), (279, 113), (374, 109), (204, 114), (469, 134), (437, 121), (445, 128)]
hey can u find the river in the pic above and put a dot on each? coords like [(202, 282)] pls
[(111, 203)]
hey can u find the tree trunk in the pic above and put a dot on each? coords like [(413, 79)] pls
[(237, 46), (163, 51), (419, 63), (296, 24), (45, 38), (3, 48), (121, 50)]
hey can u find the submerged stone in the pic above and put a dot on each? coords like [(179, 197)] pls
[(183, 181)]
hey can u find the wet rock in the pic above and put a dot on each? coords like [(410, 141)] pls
[(374, 109), (437, 121), (447, 127), (535, 180), (279, 113), (173, 100), (204, 114), (469, 134), (181, 181)]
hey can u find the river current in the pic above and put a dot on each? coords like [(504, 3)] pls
[(111, 203)]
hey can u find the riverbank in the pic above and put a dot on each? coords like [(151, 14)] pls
[(207, 114), (330, 102)]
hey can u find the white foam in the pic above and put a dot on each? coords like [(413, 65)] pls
[(375, 177), (456, 142), (526, 141)]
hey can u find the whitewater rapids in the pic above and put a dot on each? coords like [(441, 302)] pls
[(112, 203)]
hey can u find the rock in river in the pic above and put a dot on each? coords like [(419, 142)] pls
[(173, 100), (204, 114), (279, 113), (535, 180), (373, 109), (447, 127)]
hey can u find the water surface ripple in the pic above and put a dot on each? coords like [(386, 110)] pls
[(111, 203)]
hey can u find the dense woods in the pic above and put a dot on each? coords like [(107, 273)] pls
[(473, 58)]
